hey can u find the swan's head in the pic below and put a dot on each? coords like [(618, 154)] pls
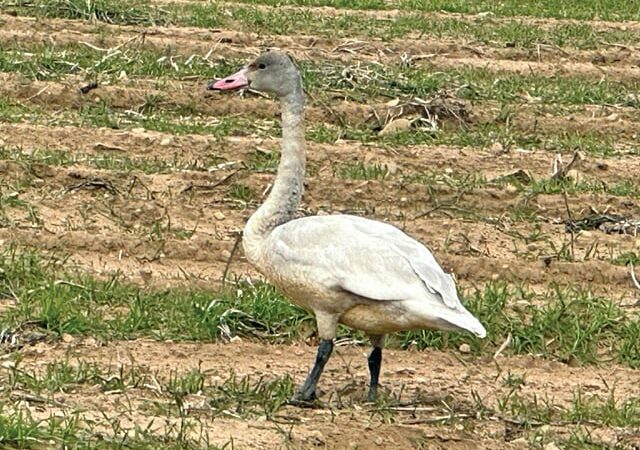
[(272, 72)]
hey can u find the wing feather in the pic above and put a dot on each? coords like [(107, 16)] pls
[(369, 258)]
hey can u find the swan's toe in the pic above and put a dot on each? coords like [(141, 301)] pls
[(301, 402)]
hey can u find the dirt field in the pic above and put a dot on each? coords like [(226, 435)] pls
[(164, 208)]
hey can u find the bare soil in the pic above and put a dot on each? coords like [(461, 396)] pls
[(422, 380), (107, 221)]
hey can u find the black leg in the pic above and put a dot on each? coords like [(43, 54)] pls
[(308, 390), (375, 360)]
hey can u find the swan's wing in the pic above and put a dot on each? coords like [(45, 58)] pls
[(369, 258), (421, 260)]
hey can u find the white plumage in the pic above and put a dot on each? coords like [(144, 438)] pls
[(363, 273), (357, 261)]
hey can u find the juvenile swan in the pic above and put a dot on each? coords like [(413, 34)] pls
[(362, 273)]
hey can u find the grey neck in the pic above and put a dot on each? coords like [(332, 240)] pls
[(286, 193)]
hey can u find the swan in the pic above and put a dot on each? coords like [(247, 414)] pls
[(362, 273)]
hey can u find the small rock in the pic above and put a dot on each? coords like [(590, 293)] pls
[(395, 126), (146, 274), (90, 342), (518, 175), (40, 348), (465, 348), (551, 446), (379, 441), (8, 364), (67, 338), (511, 189), (138, 130), (612, 117), (219, 215), (521, 442), (392, 168), (123, 76), (316, 438), (225, 254), (167, 141), (497, 147)]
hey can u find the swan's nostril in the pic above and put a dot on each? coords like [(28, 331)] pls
[(229, 80)]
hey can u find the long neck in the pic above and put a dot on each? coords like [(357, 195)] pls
[(282, 203)]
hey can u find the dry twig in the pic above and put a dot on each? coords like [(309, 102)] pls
[(504, 345), (233, 251), (94, 183), (633, 276), (560, 171), (209, 187)]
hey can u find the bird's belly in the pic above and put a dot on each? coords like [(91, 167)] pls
[(382, 317), (298, 292)]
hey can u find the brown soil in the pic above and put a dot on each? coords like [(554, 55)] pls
[(178, 228), (424, 381), (613, 62)]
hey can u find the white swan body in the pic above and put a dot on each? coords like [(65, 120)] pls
[(373, 275), (363, 273)]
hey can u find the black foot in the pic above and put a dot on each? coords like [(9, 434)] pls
[(306, 395), (373, 395), (375, 361), (300, 402)]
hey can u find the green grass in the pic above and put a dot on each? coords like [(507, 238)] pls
[(623, 188), (567, 324), (246, 396), (134, 12), (84, 307), (247, 18), (608, 411), (627, 258), (363, 171), (241, 192), (359, 82), (11, 203), (53, 62), (19, 429), (577, 418), (605, 10), (117, 163)]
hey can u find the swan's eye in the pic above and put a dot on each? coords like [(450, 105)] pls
[(262, 66)]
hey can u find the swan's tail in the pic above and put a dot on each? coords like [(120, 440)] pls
[(466, 321), (458, 319)]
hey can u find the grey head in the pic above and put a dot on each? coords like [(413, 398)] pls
[(272, 72)]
